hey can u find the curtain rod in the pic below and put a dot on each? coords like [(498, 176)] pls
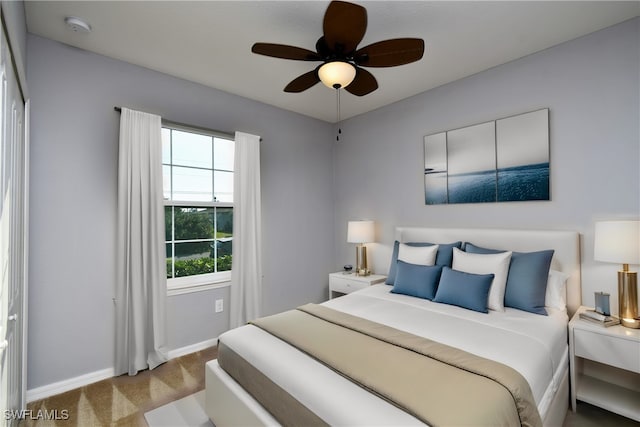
[(185, 125)]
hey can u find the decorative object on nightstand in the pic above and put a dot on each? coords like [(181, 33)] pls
[(602, 303), (604, 366), (361, 232), (619, 242), (345, 283), (597, 318)]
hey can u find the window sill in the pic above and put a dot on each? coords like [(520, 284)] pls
[(181, 286)]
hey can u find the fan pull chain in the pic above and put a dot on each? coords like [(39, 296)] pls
[(338, 112)]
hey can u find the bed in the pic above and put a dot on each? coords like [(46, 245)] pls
[(534, 346)]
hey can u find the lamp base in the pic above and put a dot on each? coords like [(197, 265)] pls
[(628, 298), (362, 268), (630, 323)]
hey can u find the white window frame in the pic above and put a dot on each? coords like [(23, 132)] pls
[(198, 282)]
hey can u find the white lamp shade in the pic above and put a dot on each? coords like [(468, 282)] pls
[(337, 74), (617, 241), (360, 232)]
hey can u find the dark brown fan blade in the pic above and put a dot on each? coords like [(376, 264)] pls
[(344, 26), (363, 83), (285, 52), (303, 82), (389, 53)]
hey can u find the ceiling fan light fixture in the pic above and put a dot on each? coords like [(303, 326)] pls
[(343, 28), (337, 74)]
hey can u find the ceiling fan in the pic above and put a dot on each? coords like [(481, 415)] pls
[(343, 28)]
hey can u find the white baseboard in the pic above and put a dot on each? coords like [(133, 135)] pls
[(92, 377), (70, 384), (192, 348)]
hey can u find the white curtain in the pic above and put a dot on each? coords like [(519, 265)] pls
[(141, 267), (246, 271)]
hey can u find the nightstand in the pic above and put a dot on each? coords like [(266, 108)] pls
[(345, 283), (616, 353)]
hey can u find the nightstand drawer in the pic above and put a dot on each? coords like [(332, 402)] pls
[(339, 284), (607, 349)]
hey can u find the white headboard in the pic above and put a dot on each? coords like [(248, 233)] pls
[(566, 245)]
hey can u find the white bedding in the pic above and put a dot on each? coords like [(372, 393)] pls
[(534, 345)]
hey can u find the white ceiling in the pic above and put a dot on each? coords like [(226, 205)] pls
[(209, 42)]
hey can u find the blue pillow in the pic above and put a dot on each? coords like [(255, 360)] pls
[(444, 257), (466, 290), (416, 280), (527, 279)]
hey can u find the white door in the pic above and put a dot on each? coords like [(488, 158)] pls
[(13, 231)]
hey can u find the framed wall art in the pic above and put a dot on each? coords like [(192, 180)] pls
[(502, 160)]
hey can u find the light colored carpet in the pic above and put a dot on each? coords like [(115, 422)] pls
[(188, 412)]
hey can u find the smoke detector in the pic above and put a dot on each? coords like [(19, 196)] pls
[(77, 25)]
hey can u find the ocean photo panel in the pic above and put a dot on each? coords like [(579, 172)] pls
[(498, 161)]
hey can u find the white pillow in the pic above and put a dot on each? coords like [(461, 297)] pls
[(496, 264), (420, 255), (556, 296)]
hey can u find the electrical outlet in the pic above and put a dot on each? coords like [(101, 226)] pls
[(219, 305)]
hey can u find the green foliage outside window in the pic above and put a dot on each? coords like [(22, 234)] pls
[(200, 257), (190, 267)]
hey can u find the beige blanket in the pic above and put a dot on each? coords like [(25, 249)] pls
[(438, 384)]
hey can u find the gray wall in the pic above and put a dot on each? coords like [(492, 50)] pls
[(74, 144), (590, 85)]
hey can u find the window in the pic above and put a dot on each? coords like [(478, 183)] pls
[(197, 171)]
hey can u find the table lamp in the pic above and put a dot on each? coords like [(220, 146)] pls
[(619, 242), (361, 232)]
